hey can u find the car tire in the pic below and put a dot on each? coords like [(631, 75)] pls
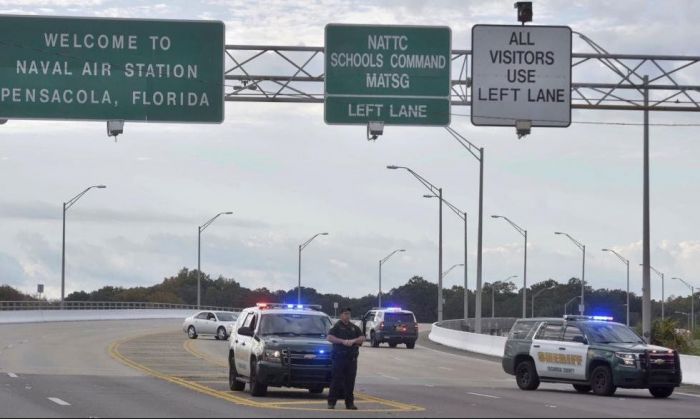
[(411, 345), (392, 344), (233, 383), (526, 375), (661, 392), (602, 381), (192, 332), (221, 333), (582, 388), (316, 390), (373, 339), (257, 389)]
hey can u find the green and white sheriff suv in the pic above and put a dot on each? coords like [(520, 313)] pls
[(590, 352)]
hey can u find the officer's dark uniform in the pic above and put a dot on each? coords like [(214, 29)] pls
[(344, 364)]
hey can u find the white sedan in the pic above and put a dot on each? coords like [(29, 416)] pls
[(216, 323)]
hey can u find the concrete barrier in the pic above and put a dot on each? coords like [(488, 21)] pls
[(40, 316), (494, 346)]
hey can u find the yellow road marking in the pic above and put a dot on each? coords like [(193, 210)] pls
[(228, 396)]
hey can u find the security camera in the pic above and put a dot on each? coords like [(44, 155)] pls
[(524, 11), (374, 130), (523, 128), (115, 128)]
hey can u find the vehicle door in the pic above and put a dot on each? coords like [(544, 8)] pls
[(575, 350), (368, 323), (199, 322), (546, 348), (243, 347), (209, 323)]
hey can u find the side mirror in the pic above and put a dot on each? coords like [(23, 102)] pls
[(580, 339), (245, 331)]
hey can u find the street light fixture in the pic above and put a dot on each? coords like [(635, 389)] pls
[(493, 296), (381, 262), (583, 268), (463, 216), (523, 232), (199, 254), (438, 192), (301, 247), (663, 291), (444, 274), (569, 302), (692, 304), (626, 262), (536, 294), (66, 206)]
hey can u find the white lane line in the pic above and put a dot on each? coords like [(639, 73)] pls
[(689, 395), (389, 376), (58, 401), (429, 385), (484, 395), (445, 368), (12, 375)]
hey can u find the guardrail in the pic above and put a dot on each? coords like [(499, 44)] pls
[(496, 326), (103, 305)]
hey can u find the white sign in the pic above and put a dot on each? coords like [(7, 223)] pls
[(521, 73)]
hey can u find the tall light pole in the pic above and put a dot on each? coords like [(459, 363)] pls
[(435, 191), (381, 262), (478, 154), (569, 302), (493, 296), (685, 314), (626, 262), (301, 247), (463, 216), (523, 232), (444, 274), (582, 307), (692, 305), (199, 254), (663, 291), (66, 206), (536, 294)]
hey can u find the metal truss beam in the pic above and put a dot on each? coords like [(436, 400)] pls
[(601, 80)]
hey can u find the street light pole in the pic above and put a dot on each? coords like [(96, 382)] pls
[(463, 216), (301, 247), (381, 262), (200, 229), (582, 308), (692, 304), (626, 262), (478, 154), (66, 206), (438, 192), (523, 232), (685, 314), (663, 286), (535, 295), (493, 296), (569, 302)]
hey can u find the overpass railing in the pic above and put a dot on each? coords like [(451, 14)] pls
[(496, 326), (103, 305)]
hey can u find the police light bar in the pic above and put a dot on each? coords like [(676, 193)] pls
[(579, 317), (316, 307)]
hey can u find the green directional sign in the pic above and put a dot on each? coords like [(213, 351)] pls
[(399, 75), (111, 69)]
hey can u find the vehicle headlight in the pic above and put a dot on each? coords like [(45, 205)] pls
[(273, 355), (627, 359)]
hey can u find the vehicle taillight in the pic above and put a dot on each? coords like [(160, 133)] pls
[(381, 326)]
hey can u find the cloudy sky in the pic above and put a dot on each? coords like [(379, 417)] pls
[(287, 175)]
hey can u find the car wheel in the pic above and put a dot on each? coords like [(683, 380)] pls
[(526, 375), (257, 389), (661, 392), (392, 344), (316, 390), (601, 381), (374, 340), (411, 345), (582, 388), (233, 383), (191, 332), (221, 333)]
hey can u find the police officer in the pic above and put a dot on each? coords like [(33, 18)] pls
[(346, 339)]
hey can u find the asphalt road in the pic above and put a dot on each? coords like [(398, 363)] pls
[(150, 369)]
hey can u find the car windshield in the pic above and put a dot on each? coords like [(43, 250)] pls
[(294, 324), (611, 333), (398, 318), (226, 317)]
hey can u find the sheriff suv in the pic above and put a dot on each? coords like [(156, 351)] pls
[(392, 325), (280, 345), (590, 352)]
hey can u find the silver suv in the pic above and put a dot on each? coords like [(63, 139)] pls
[(392, 325)]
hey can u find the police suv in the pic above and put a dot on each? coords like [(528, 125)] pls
[(280, 345), (590, 352), (392, 325)]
